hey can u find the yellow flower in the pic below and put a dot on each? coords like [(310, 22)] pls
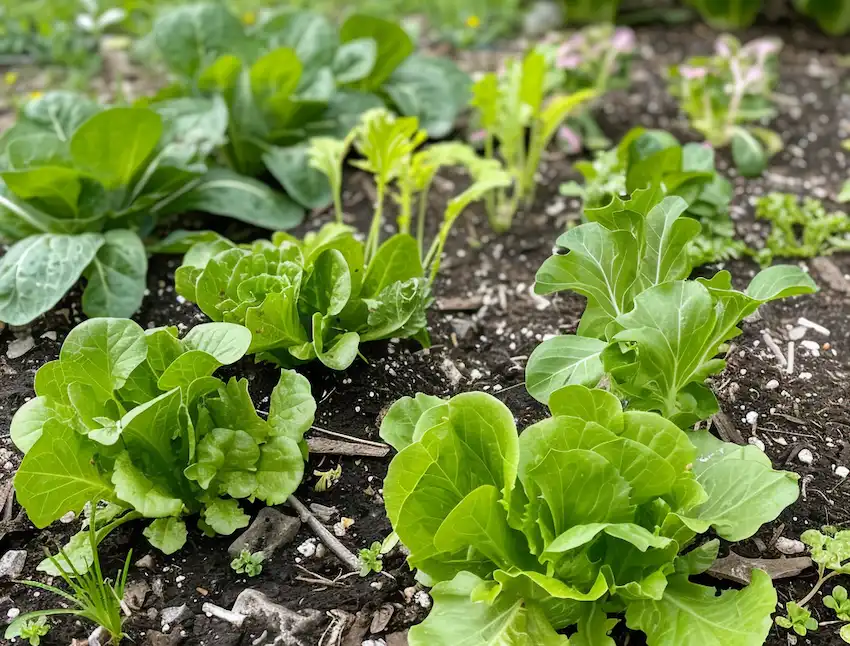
[(473, 22), (249, 18), (36, 94), (11, 78)]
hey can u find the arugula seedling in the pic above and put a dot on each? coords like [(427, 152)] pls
[(247, 563), (724, 93), (327, 479), (799, 619), (321, 297), (596, 58), (645, 157), (579, 516), (371, 559), (839, 602), (514, 111), (800, 230), (33, 630), (145, 424), (77, 203), (651, 332), (90, 596)]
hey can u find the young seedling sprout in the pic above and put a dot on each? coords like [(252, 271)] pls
[(247, 563)]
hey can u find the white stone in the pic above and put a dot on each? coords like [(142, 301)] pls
[(789, 546), (19, 347), (797, 333), (805, 456), (12, 564), (811, 346), (754, 441), (308, 548), (423, 599), (752, 417), (773, 384), (820, 329), (842, 471)]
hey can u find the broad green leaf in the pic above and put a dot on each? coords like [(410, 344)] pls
[(113, 144), (532, 81), (226, 342), (290, 166), (692, 615), (226, 462), (780, 281), (60, 112), (226, 193), (327, 289), (190, 37), (194, 125), (189, 366), (310, 34), (744, 492), (458, 620), (589, 404), (601, 265), (563, 360), (337, 352), (280, 470), (581, 535), (104, 351), (225, 516), (396, 260), (166, 534), (748, 153), (393, 46), (30, 418), (354, 60), (699, 559), (54, 186), (76, 552), (399, 310), (275, 322), (668, 235), (275, 74), (292, 407), (117, 276), (594, 627), (59, 475), (148, 431), (36, 272), (137, 490), (559, 109), (400, 421)]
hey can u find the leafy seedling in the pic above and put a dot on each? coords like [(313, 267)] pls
[(327, 479), (247, 563), (371, 559), (33, 630), (89, 595), (798, 619), (838, 601)]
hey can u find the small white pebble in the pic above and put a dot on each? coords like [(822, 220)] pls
[(805, 376), (308, 548), (422, 599), (789, 546), (842, 471), (805, 456), (797, 333), (13, 612), (773, 384), (756, 442), (752, 417), (811, 346), (179, 579)]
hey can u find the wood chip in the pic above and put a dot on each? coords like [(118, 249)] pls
[(460, 303), (830, 274), (726, 429), (338, 447), (739, 568), (381, 619)]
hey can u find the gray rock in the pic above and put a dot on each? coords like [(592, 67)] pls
[(135, 594), (146, 563), (397, 639), (462, 327), (543, 16), (19, 347), (175, 615), (323, 513), (291, 626), (12, 564), (156, 638), (270, 531)]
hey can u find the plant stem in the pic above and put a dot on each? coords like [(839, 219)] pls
[(337, 191), (821, 580), (377, 222), (420, 218)]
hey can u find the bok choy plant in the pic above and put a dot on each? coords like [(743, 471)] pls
[(321, 297), (645, 157), (590, 513), (135, 417), (513, 112), (654, 334), (82, 185), (725, 93)]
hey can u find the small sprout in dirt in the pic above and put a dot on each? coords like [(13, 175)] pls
[(844, 633), (800, 230), (247, 563), (90, 596), (389, 543), (725, 93), (799, 620), (831, 551), (327, 479), (838, 602), (371, 559), (34, 629)]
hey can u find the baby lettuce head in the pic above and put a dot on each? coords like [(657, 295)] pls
[(594, 511), (135, 418)]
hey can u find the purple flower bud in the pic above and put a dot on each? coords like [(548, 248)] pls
[(761, 48), (571, 139), (623, 40), (568, 60), (754, 75), (692, 73)]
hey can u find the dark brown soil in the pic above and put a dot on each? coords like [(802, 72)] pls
[(491, 277)]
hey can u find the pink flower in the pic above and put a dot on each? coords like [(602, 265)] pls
[(478, 136), (568, 61), (623, 40), (761, 48), (571, 139), (692, 73), (721, 48), (754, 75)]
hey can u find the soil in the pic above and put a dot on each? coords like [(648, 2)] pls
[(485, 324)]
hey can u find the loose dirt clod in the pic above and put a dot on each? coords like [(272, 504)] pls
[(270, 531)]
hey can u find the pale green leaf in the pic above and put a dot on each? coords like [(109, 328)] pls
[(225, 516), (117, 276), (166, 534)]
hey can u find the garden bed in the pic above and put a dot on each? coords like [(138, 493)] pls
[(485, 324)]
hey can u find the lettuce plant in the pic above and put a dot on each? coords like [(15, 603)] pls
[(315, 79), (82, 185), (596, 58), (728, 14), (588, 11), (833, 17), (514, 112), (591, 512), (645, 157), (654, 334), (321, 297), (135, 417), (725, 93)]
